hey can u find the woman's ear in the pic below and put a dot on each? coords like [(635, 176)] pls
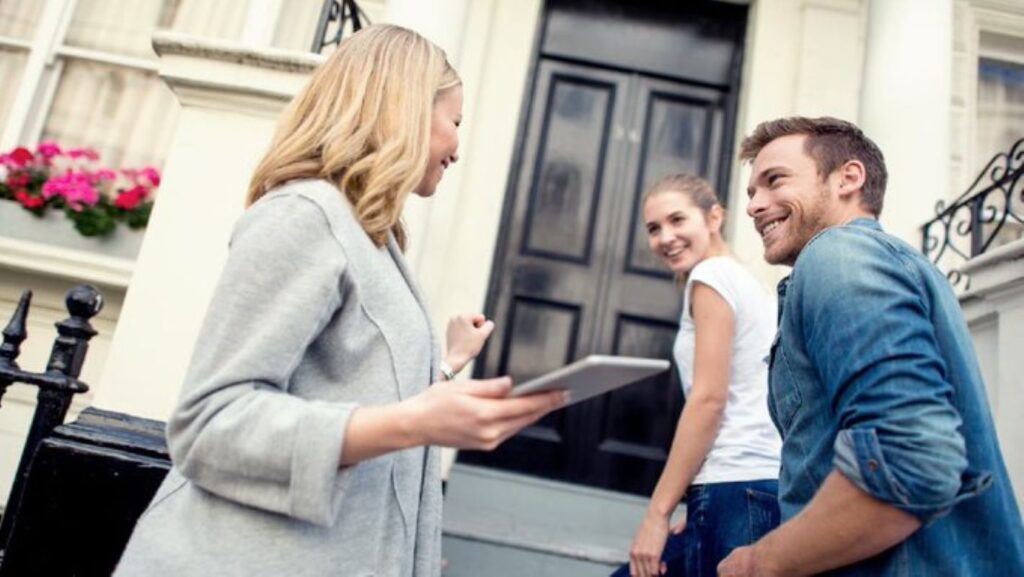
[(716, 217)]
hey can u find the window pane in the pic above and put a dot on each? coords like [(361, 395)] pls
[(18, 18), (12, 62), (1000, 125), (127, 115), (214, 19), (296, 24), (1000, 106), (119, 26)]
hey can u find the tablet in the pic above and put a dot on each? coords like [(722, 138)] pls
[(593, 375)]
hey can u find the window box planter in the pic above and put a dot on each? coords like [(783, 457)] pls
[(54, 229)]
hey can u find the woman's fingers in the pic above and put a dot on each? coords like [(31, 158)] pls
[(652, 565), (486, 328), (479, 414), (679, 527), (643, 564), (484, 388), (528, 406)]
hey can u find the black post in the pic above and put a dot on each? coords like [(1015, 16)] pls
[(14, 334), (342, 11), (977, 205), (56, 386), (326, 16)]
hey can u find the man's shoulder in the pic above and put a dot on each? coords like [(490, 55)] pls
[(846, 260), (848, 245)]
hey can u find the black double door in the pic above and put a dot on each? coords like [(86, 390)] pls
[(574, 274)]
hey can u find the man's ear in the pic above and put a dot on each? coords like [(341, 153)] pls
[(851, 176)]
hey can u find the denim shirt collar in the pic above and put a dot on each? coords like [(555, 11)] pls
[(863, 222), (866, 222)]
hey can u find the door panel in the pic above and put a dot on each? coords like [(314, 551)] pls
[(565, 194)]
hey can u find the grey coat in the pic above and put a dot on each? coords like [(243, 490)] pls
[(309, 321)]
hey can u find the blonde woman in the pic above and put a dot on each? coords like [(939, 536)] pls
[(301, 444), (725, 454)]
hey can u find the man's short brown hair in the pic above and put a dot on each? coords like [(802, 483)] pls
[(831, 143)]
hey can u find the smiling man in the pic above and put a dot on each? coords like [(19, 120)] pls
[(890, 463)]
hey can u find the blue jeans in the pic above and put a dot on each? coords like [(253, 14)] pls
[(719, 518)]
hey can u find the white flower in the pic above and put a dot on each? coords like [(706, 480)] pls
[(3, 172)]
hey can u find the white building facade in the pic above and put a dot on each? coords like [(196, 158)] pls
[(939, 84)]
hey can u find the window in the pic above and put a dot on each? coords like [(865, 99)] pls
[(17, 23), (1000, 121), (87, 77), (1000, 106)]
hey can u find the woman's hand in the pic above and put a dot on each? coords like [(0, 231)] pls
[(475, 414), (465, 337), (649, 544)]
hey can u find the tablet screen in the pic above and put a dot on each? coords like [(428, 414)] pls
[(593, 375)]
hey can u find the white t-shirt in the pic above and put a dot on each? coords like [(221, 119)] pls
[(747, 446)]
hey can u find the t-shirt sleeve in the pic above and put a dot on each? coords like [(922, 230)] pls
[(719, 275)]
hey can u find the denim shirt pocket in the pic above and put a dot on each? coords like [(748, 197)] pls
[(783, 395)]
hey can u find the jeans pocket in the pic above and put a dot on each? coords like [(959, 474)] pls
[(762, 513)]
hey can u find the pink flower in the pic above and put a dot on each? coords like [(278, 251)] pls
[(152, 175), (87, 153), (27, 200), (48, 150), (131, 199), (105, 174), (75, 188), (22, 156)]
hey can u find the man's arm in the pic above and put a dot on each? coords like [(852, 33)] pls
[(898, 455), (841, 525)]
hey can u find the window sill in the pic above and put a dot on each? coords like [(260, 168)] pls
[(66, 263)]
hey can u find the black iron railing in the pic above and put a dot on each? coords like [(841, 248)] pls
[(57, 384), (335, 17), (979, 217)]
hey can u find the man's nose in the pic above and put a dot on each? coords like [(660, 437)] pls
[(756, 204)]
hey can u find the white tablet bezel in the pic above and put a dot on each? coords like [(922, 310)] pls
[(592, 376)]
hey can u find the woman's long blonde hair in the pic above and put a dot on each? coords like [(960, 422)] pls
[(363, 123)]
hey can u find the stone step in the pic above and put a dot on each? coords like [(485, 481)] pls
[(498, 523)]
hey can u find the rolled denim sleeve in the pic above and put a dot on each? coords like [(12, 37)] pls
[(866, 320)]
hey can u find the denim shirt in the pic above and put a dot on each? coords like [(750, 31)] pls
[(873, 373)]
